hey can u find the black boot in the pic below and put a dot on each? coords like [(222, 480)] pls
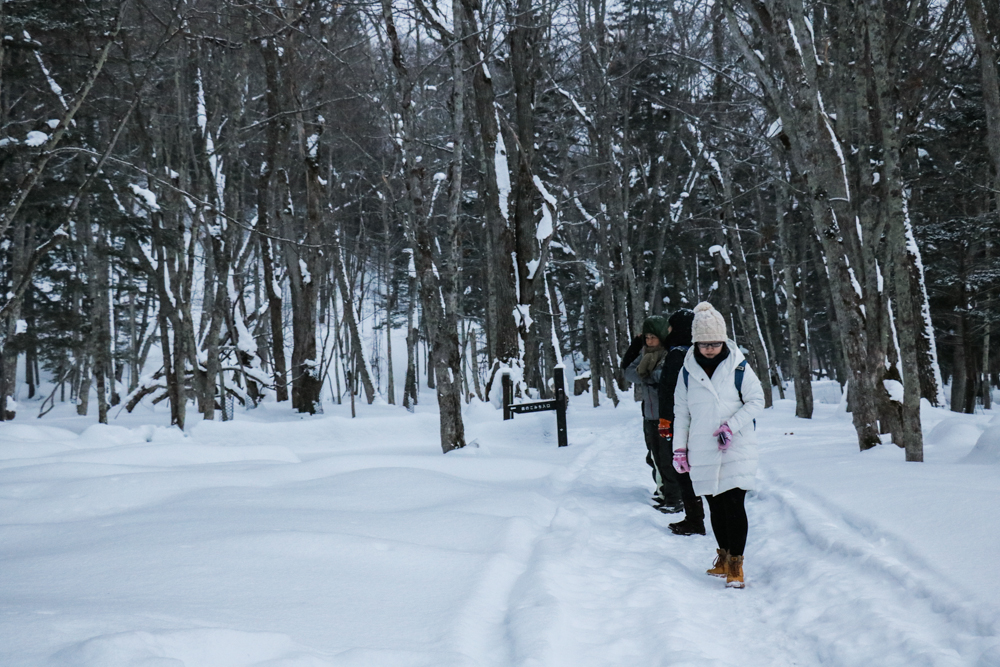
[(694, 509), (669, 506), (688, 527)]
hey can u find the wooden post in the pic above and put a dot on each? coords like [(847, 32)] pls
[(561, 404), (508, 395), (558, 403)]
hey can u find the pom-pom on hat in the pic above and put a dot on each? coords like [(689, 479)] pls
[(709, 326)]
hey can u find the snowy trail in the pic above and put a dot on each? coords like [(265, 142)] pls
[(337, 542), (610, 585)]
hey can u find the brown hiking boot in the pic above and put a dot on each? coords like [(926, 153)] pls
[(734, 578), (721, 566)]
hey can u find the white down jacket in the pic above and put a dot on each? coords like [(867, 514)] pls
[(701, 406)]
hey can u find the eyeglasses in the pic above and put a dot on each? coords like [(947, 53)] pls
[(710, 346)]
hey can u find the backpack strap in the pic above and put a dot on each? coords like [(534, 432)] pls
[(739, 379), (683, 348), (740, 370), (739, 385)]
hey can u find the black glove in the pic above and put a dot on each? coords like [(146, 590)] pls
[(633, 351)]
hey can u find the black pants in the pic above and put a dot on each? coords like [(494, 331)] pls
[(661, 461), (693, 508), (729, 520)]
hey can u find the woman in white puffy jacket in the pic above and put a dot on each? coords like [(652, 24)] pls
[(715, 402)]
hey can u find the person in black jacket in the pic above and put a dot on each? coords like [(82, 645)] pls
[(643, 363), (677, 344)]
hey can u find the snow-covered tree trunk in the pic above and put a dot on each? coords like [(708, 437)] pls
[(391, 294), (525, 199), (100, 333), (304, 269), (275, 129), (410, 384), (741, 280), (435, 251), (792, 257), (893, 209), (819, 157), (987, 44), (502, 339)]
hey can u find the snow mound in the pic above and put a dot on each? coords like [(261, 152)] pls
[(20, 441), (104, 435), (190, 648), (181, 454), (991, 658), (987, 449), (11, 431), (957, 430)]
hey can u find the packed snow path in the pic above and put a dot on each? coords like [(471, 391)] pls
[(329, 541), (826, 588)]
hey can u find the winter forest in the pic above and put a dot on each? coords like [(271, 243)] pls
[(209, 204), (273, 271)]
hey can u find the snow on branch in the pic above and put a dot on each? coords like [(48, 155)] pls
[(502, 171), (146, 195), (722, 252), (579, 109), (546, 226), (53, 86)]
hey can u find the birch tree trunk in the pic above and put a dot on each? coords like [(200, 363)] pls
[(818, 156), (19, 251), (911, 437), (411, 383), (986, 45), (985, 41), (304, 269), (438, 279), (100, 333), (742, 286), (274, 130), (503, 348), (792, 257), (390, 304), (350, 320)]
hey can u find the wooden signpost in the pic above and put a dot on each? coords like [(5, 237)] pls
[(510, 408)]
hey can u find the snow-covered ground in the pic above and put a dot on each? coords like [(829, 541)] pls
[(304, 542)]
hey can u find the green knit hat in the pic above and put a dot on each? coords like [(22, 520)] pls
[(657, 326)]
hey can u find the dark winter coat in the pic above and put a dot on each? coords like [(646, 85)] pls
[(677, 344), (650, 387), (672, 365)]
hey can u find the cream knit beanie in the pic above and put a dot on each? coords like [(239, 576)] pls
[(709, 326)]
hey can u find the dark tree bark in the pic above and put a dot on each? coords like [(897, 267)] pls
[(792, 259), (437, 272), (503, 348), (350, 320), (410, 385), (910, 436), (304, 268), (273, 132)]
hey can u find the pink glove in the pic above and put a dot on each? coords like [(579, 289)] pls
[(681, 461), (725, 436)]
